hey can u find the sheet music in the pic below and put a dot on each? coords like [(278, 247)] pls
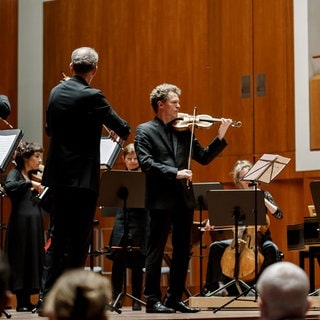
[(109, 151), (266, 168), (9, 140), (5, 141)]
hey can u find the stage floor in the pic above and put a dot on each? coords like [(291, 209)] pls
[(240, 309), (128, 314)]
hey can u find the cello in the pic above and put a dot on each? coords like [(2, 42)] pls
[(246, 250)]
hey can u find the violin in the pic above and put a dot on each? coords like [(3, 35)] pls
[(185, 121), (36, 175)]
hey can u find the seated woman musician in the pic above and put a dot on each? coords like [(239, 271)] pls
[(137, 225), (215, 277)]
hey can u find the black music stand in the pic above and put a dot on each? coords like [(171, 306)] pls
[(264, 170), (234, 207), (126, 189), (9, 140), (200, 193)]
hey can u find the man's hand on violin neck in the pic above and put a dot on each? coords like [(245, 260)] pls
[(184, 174), (225, 124)]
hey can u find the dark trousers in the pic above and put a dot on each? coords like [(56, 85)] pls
[(179, 221), (133, 260), (70, 233)]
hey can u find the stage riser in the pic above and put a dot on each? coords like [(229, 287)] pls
[(240, 303)]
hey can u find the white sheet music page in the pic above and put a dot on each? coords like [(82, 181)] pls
[(266, 168), (109, 151), (6, 142)]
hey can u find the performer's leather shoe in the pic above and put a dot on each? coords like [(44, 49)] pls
[(158, 307), (25, 308), (181, 307)]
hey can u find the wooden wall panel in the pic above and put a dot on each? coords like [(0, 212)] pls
[(8, 85), (230, 58), (8, 56), (273, 57), (140, 44)]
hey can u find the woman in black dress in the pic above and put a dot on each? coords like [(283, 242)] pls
[(25, 234)]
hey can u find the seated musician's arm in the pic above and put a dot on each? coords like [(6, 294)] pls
[(272, 205)]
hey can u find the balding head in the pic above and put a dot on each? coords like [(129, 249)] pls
[(283, 290)]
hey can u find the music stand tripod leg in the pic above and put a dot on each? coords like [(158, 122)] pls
[(236, 280), (123, 195), (253, 183), (6, 313)]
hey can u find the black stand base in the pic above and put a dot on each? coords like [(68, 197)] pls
[(121, 296), (314, 293), (235, 298), (6, 313), (235, 282)]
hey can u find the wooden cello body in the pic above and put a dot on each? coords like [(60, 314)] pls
[(246, 252)]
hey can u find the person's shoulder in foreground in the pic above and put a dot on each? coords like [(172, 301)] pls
[(283, 289)]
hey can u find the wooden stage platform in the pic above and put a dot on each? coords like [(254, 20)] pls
[(243, 308)]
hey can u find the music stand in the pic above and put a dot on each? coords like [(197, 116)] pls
[(126, 189), (231, 207), (200, 193), (264, 170), (9, 140)]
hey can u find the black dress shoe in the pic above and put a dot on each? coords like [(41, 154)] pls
[(25, 308), (182, 307), (136, 306), (158, 307)]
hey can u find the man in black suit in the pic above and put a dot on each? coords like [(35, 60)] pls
[(163, 154), (75, 115), (5, 107)]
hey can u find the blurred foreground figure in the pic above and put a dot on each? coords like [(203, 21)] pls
[(283, 289), (78, 295)]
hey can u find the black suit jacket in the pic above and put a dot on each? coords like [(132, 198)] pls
[(74, 119), (161, 161)]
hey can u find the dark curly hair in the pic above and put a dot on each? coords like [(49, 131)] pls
[(24, 151)]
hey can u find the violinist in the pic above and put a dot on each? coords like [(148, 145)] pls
[(215, 278), (25, 234), (163, 154)]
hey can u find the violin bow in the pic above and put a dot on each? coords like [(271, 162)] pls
[(191, 143)]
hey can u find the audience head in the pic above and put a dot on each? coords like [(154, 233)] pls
[(240, 168), (161, 93), (130, 158), (283, 289), (78, 295), (4, 279)]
